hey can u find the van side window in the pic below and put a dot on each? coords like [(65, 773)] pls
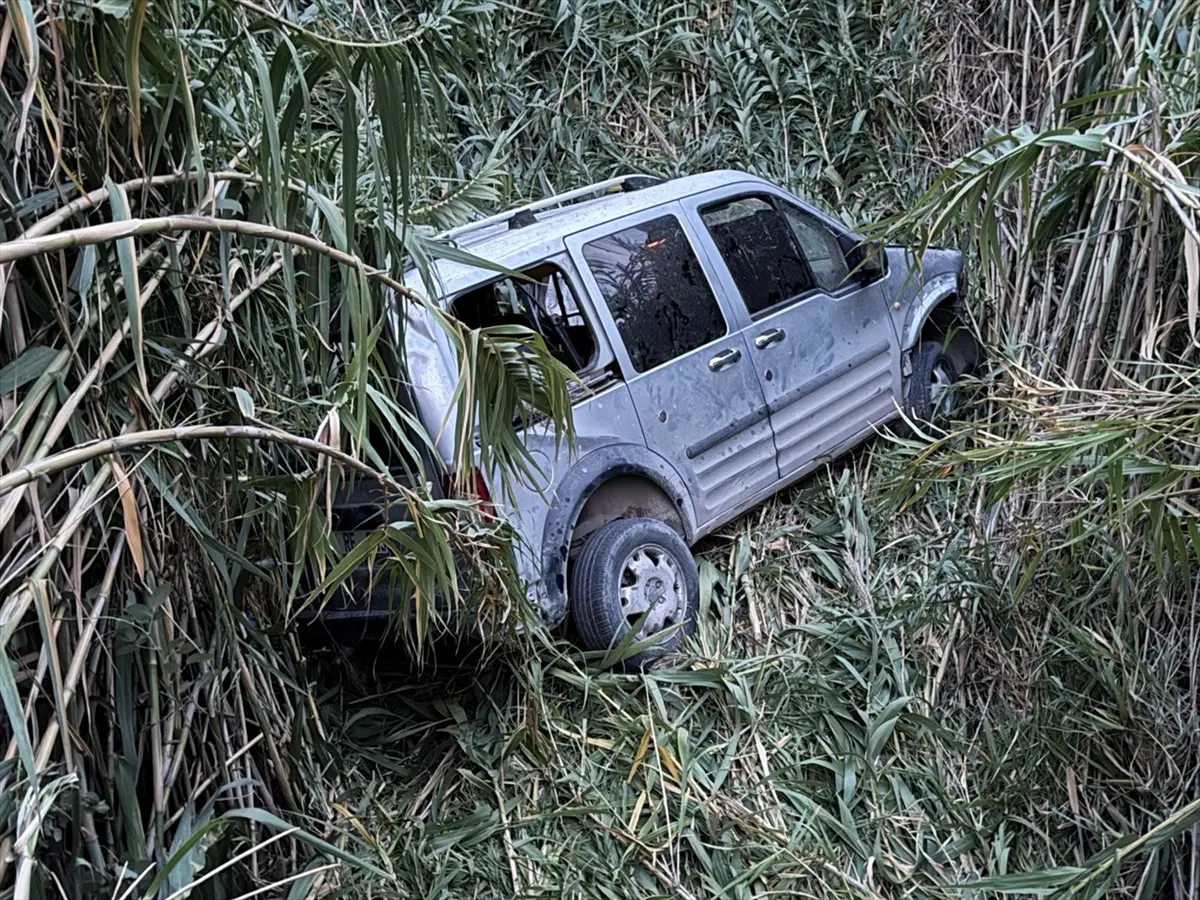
[(760, 250), (657, 293), (821, 248), (546, 303)]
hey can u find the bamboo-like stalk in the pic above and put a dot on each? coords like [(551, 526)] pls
[(94, 198), (70, 684), (77, 456), (14, 609), (44, 442), (201, 346), (26, 247)]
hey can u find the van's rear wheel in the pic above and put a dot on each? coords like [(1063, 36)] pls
[(635, 576)]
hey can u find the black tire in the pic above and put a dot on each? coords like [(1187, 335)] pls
[(932, 369), (966, 354), (603, 616)]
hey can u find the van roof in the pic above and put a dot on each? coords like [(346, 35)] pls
[(517, 247)]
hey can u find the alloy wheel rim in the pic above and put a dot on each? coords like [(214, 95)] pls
[(652, 587), (940, 396)]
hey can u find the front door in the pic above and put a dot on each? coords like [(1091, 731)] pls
[(823, 344), (684, 357)]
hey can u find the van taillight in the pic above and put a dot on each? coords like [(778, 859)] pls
[(473, 488), (483, 496)]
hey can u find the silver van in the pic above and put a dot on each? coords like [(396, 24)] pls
[(728, 339)]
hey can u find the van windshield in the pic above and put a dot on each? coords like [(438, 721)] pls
[(545, 303)]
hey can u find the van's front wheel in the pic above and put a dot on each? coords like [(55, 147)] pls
[(635, 577), (929, 394)]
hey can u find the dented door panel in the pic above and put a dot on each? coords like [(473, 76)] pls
[(713, 427), (828, 363), (838, 381)]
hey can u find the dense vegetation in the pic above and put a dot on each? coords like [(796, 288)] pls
[(922, 667)]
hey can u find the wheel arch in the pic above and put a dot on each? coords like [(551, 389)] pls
[(937, 306), (597, 489)]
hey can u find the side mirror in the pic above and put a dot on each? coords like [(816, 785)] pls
[(864, 259)]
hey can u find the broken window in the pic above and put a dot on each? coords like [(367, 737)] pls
[(774, 251), (760, 250), (659, 296), (544, 303)]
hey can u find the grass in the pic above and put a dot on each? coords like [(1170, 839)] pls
[(876, 705)]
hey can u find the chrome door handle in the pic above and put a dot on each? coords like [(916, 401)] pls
[(768, 337), (724, 359)]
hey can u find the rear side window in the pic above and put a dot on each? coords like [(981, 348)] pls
[(542, 301), (654, 287)]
